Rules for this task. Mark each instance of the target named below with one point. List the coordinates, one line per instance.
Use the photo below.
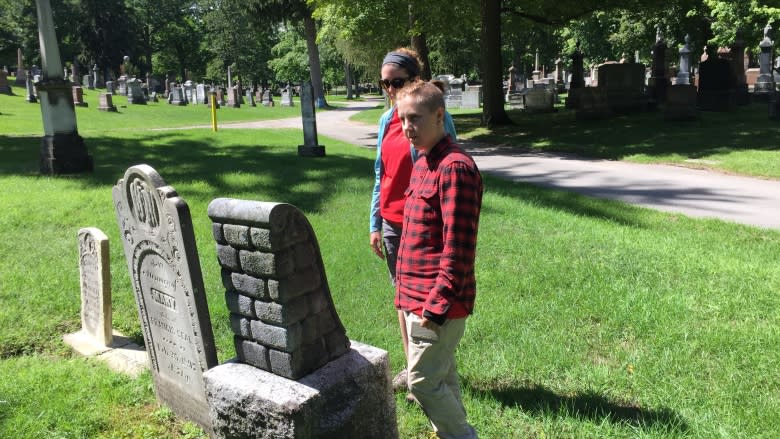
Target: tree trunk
(420, 45)
(493, 112)
(314, 61)
(348, 79)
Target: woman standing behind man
(393, 168)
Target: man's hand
(376, 244)
(428, 324)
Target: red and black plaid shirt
(435, 271)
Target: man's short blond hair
(423, 93)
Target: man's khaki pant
(433, 376)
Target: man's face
(423, 127)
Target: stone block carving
(281, 309)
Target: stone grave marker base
(311, 151)
(122, 355)
(349, 397)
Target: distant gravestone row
(296, 374)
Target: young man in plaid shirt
(435, 284)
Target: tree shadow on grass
(588, 405)
(646, 133)
(569, 202)
(182, 158)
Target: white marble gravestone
(95, 281)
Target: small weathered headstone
(189, 92)
(268, 99)
(472, 97)
(162, 260)
(135, 95)
(5, 88)
(681, 102)
(122, 85)
(106, 102)
(78, 96)
(30, 95)
(176, 96)
(310, 147)
(234, 100)
(95, 275)
(540, 100)
(287, 99)
(250, 98)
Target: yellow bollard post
(214, 112)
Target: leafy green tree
(234, 38)
(105, 33)
(151, 19)
(290, 62)
(299, 12)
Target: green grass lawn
(742, 142)
(594, 318)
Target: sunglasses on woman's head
(395, 82)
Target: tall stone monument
(765, 84)
(684, 74)
(577, 77)
(62, 148)
(658, 82)
(162, 260)
(310, 147)
(20, 70)
(296, 375)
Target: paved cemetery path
(696, 193)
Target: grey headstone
(106, 102)
(135, 94)
(162, 260)
(122, 81)
(287, 100)
(472, 97)
(95, 276)
(310, 147)
(540, 99)
(765, 84)
(234, 100)
(78, 96)
(31, 95)
(623, 86)
(250, 98)
(176, 96)
(5, 88)
(268, 99)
